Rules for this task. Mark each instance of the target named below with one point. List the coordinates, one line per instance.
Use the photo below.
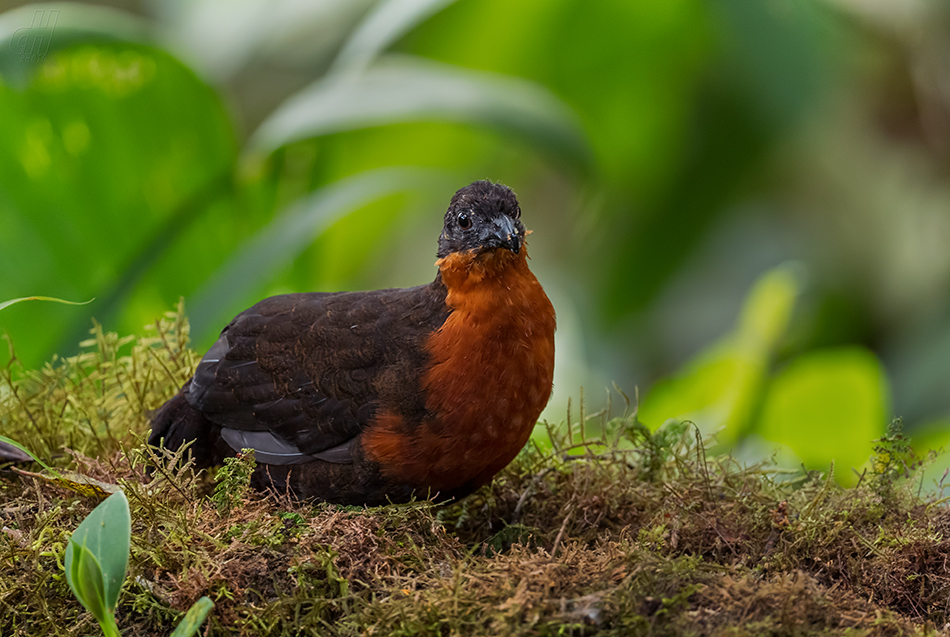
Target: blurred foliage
(719, 388)
(671, 156)
(826, 406)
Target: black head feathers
(482, 216)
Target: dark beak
(502, 233)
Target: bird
(377, 397)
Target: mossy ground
(627, 532)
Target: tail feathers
(176, 423)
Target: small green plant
(656, 447)
(97, 557)
(234, 478)
(96, 561)
(894, 459)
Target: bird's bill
(502, 233)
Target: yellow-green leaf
(83, 485)
(720, 388)
(828, 406)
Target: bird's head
(482, 218)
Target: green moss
(233, 481)
(606, 529)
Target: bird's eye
(465, 222)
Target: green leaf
(6, 304)
(386, 22)
(91, 199)
(84, 576)
(768, 309)
(826, 406)
(720, 389)
(276, 245)
(403, 89)
(83, 485)
(105, 534)
(193, 619)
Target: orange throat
(491, 373)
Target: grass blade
(17, 445)
(7, 304)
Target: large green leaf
(100, 169)
(828, 405)
(401, 89)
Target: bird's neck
(478, 281)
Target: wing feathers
(299, 376)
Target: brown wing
(311, 370)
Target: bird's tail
(176, 423)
